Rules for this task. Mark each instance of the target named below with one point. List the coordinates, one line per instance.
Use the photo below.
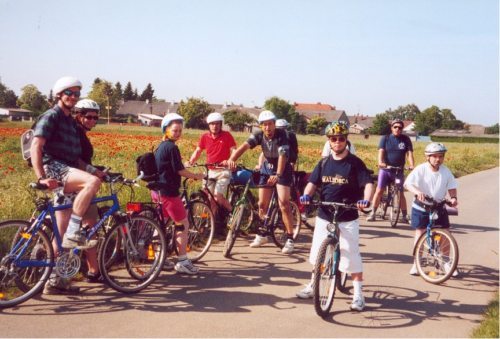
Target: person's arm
(411, 160)
(310, 189)
(37, 163)
(260, 162)
(410, 185)
(381, 156)
(196, 154)
(453, 197)
(188, 174)
(231, 162)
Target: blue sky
(361, 56)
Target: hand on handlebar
(382, 165)
(50, 183)
(305, 199)
(363, 204)
(229, 163)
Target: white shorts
(350, 257)
(223, 178)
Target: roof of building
(299, 107)
(151, 116)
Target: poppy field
(118, 147)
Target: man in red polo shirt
(219, 145)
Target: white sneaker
(358, 304)
(288, 248)
(371, 217)
(186, 266)
(259, 241)
(447, 267)
(413, 270)
(306, 293)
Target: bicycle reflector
(134, 207)
(330, 227)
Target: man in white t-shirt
(435, 180)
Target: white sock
(358, 286)
(74, 225)
(181, 258)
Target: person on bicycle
(342, 177)
(55, 155)
(393, 151)
(170, 169)
(219, 145)
(276, 170)
(435, 180)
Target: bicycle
(327, 277)
(273, 224)
(436, 251)
(200, 217)
(130, 256)
(392, 196)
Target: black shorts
(285, 178)
(420, 219)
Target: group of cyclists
(62, 153)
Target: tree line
(195, 110)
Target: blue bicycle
(130, 254)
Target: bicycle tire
(279, 233)
(249, 213)
(201, 229)
(384, 204)
(325, 277)
(342, 282)
(17, 285)
(433, 264)
(141, 254)
(233, 229)
(395, 207)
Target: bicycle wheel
(26, 261)
(394, 207)
(132, 254)
(279, 233)
(437, 257)
(248, 216)
(342, 282)
(201, 229)
(233, 229)
(325, 276)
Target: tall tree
(118, 91)
(449, 121)
(7, 97)
(428, 121)
(491, 129)
(32, 99)
(381, 124)
(128, 92)
(237, 119)
(284, 110)
(102, 93)
(408, 112)
(136, 96)
(316, 125)
(148, 93)
(194, 111)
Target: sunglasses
(397, 127)
(92, 117)
(340, 139)
(69, 93)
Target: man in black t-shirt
(342, 177)
(276, 170)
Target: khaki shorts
(223, 178)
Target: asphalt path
(253, 294)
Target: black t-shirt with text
(340, 181)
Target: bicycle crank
(68, 265)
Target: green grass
(489, 325)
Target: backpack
(26, 141)
(147, 164)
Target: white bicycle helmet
(87, 105)
(214, 117)
(435, 148)
(265, 116)
(65, 83)
(281, 123)
(168, 119)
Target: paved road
(253, 295)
